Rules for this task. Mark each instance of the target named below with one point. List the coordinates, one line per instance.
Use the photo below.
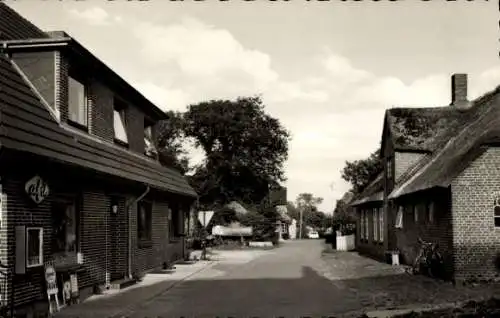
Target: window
(149, 147)
(284, 228)
(415, 213)
(77, 102)
(362, 224)
(375, 225)
(497, 211)
(176, 223)
(399, 218)
(389, 168)
(144, 223)
(120, 123)
(34, 246)
(381, 224)
(430, 212)
(367, 226)
(64, 228)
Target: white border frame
(40, 247)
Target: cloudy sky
(327, 70)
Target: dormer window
(149, 147)
(120, 123)
(77, 103)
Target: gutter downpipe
(127, 208)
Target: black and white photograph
(249, 158)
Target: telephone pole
(300, 223)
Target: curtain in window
(399, 218)
(375, 224)
(77, 103)
(119, 125)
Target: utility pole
(300, 222)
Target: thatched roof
(372, 193)
(420, 129)
(457, 148)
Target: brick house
(370, 226)
(81, 186)
(441, 170)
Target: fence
(345, 242)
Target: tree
(307, 203)
(170, 142)
(360, 173)
(292, 210)
(245, 149)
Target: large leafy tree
(360, 173)
(170, 140)
(245, 149)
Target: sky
(326, 69)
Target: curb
(127, 311)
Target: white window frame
(367, 225)
(375, 224)
(40, 263)
(399, 218)
(381, 224)
(85, 111)
(496, 211)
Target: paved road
(290, 281)
(295, 280)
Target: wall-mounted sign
(37, 189)
(50, 275)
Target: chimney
(459, 91)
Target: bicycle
(429, 261)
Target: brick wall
(135, 126)
(101, 110)
(162, 249)
(439, 230)
(369, 246)
(103, 236)
(61, 80)
(476, 240)
(100, 100)
(404, 160)
(39, 67)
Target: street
(297, 280)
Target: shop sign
(37, 189)
(50, 275)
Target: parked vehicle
(313, 235)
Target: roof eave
(72, 44)
(29, 44)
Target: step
(122, 283)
